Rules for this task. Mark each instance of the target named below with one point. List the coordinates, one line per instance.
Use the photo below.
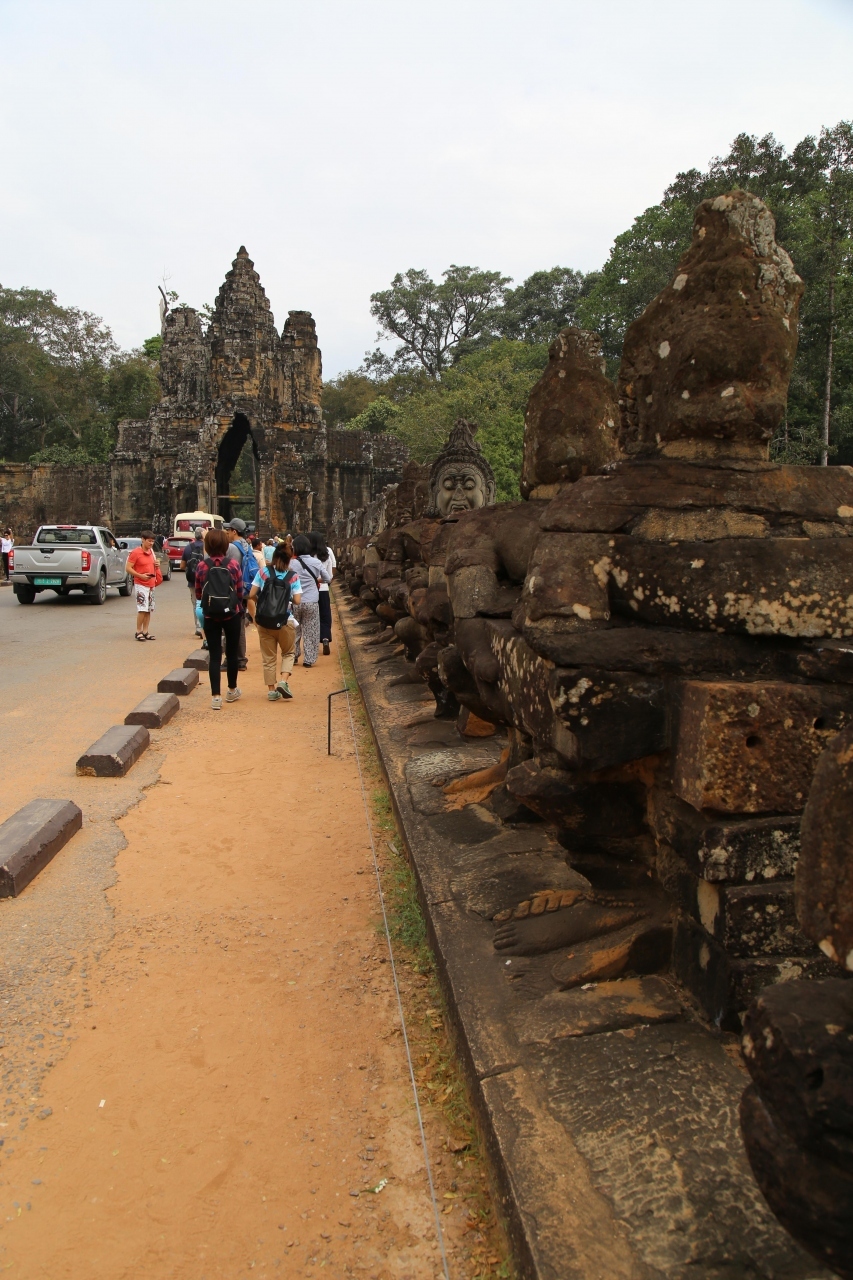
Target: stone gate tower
(241, 380)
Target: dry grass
(475, 1240)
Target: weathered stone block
(605, 718)
(154, 711)
(116, 752)
(825, 871)
(703, 966)
(801, 1059)
(31, 837)
(199, 659)
(736, 852)
(181, 681)
(811, 1196)
(756, 586)
(776, 497)
(747, 920)
(655, 650)
(749, 977)
(752, 748)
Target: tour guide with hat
(143, 564)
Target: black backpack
(218, 595)
(192, 564)
(273, 607)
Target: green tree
(435, 324)
(539, 308)
(347, 395)
(490, 386)
(63, 380)
(809, 192)
(380, 415)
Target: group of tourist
(281, 586)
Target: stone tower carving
(243, 385)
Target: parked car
(162, 551)
(66, 558)
(176, 549)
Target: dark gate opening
(237, 472)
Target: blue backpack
(249, 567)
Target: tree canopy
(810, 192)
(473, 345)
(64, 383)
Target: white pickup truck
(69, 557)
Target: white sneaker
(216, 703)
(233, 695)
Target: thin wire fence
(435, 1208)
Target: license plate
(47, 582)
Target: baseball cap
(238, 525)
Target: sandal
(150, 637)
(140, 636)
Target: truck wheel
(99, 593)
(26, 595)
(127, 586)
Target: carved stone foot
(642, 947)
(553, 926)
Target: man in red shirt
(142, 563)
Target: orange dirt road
(237, 1071)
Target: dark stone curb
(199, 659)
(181, 681)
(31, 837)
(116, 752)
(154, 711)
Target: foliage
(490, 387)
(153, 346)
(63, 455)
(346, 396)
(435, 323)
(63, 380)
(810, 192)
(540, 307)
(381, 414)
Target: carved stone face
(460, 488)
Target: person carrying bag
(219, 589)
(275, 593)
(311, 574)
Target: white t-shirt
(330, 564)
(6, 545)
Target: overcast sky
(344, 140)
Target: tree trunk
(827, 396)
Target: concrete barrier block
(154, 711)
(182, 680)
(31, 837)
(199, 658)
(113, 754)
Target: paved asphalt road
(68, 671)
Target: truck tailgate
(50, 560)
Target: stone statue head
(460, 478)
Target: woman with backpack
(275, 593)
(219, 587)
(311, 574)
